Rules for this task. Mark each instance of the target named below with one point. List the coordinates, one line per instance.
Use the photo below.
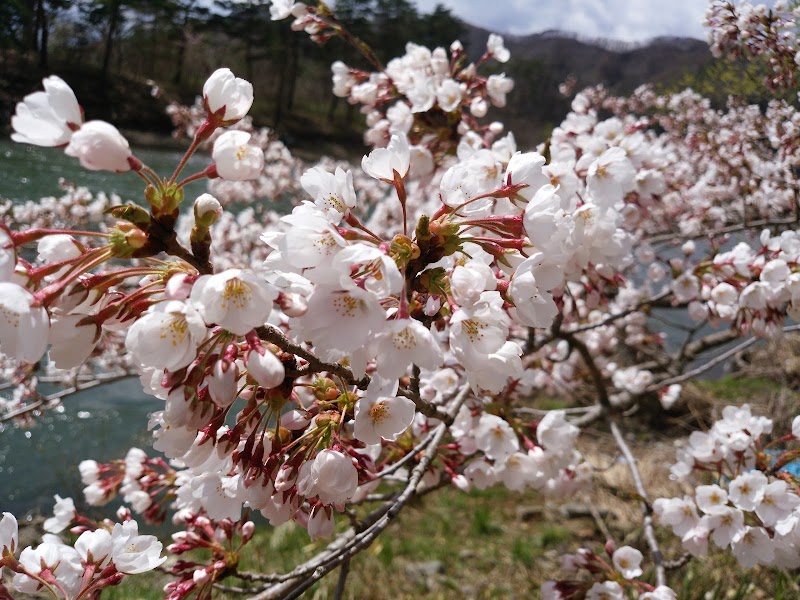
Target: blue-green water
(31, 172)
(101, 423)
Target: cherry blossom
(24, 326)
(100, 147)
(227, 94)
(235, 159)
(382, 418)
(9, 534)
(47, 118)
(234, 299)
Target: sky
(625, 20)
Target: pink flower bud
(99, 146)
(248, 529)
(265, 368)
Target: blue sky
(627, 20)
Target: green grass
(739, 389)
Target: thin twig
(55, 398)
(713, 362)
(594, 371)
(647, 509)
(761, 224)
(598, 520)
(344, 570)
(273, 335)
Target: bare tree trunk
(113, 22)
(183, 41)
(44, 32)
(30, 29)
(294, 59)
(334, 102)
(281, 87)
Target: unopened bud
(293, 305)
(200, 576)
(285, 436)
(126, 239)
(207, 210)
(248, 529)
(202, 522)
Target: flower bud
(207, 210)
(125, 239)
(99, 146)
(58, 248)
(478, 107)
(293, 305)
(265, 368)
(247, 530)
(200, 576)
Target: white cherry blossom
(333, 193)
(236, 300)
(166, 336)
(555, 433)
(9, 533)
(627, 561)
(382, 417)
(133, 553)
(47, 118)
(331, 476)
(64, 513)
(403, 342)
(225, 92)
(99, 146)
(497, 49)
(235, 158)
(24, 326)
(383, 163)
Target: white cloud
(627, 20)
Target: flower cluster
(748, 503)
(393, 323)
(100, 558)
(748, 31)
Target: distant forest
(113, 51)
(108, 49)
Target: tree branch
(647, 509)
(55, 398)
